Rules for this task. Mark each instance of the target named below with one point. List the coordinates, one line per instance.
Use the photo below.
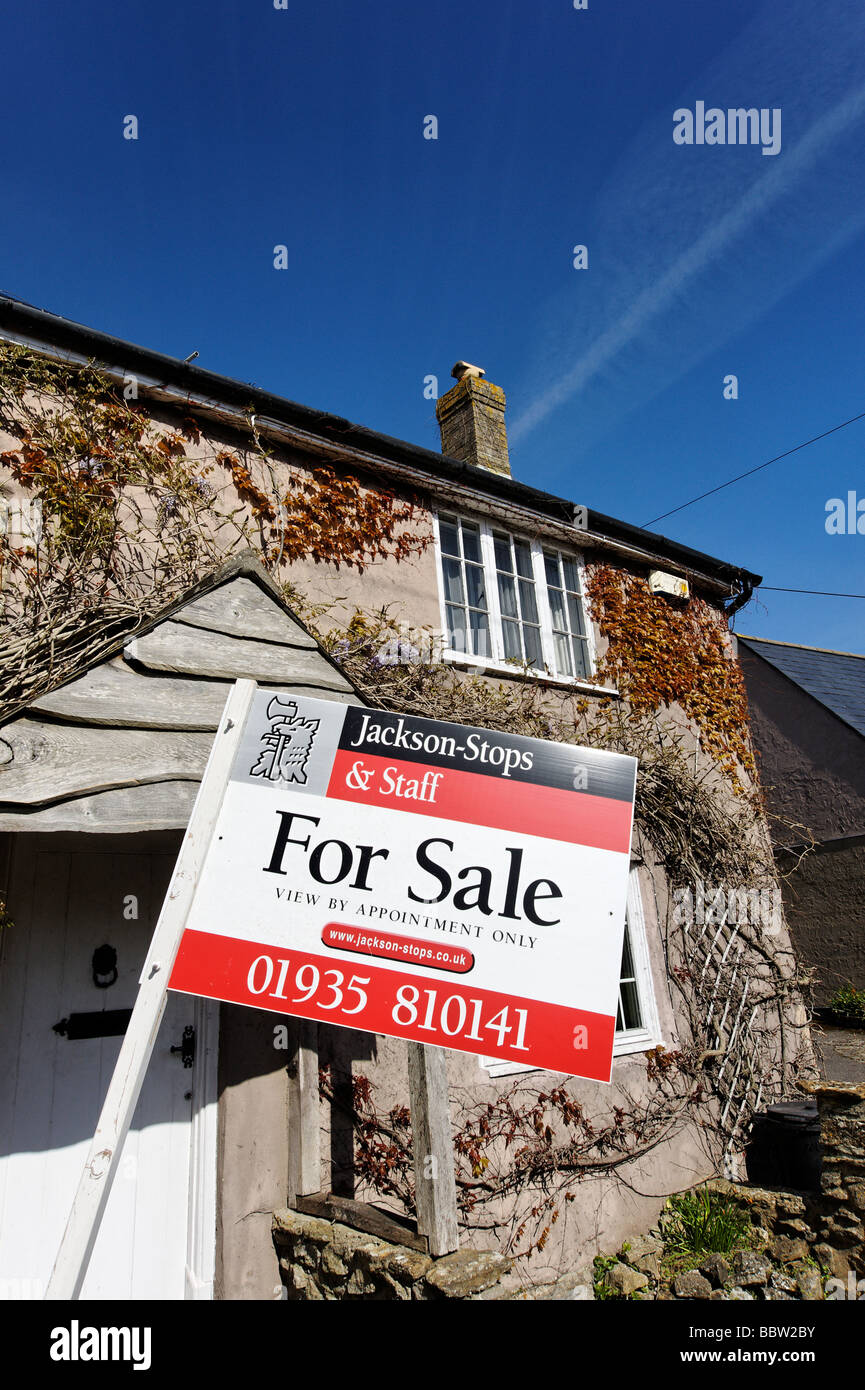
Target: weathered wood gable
(123, 746)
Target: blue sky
(304, 127)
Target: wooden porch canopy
(122, 747)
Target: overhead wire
(750, 471)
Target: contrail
(773, 185)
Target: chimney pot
(464, 369)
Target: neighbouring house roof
(836, 679)
(170, 378)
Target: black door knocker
(104, 967)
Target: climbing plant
(134, 512)
(662, 653)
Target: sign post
(432, 1144)
(100, 1166)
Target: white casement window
(506, 599)
(637, 1027)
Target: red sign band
(446, 1013)
(573, 816)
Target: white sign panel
(424, 880)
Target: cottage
(477, 599)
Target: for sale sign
(424, 880)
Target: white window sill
(637, 1040)
(507, 668)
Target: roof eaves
(41, 328)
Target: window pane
(513, 647)
(627, 970)
(571, 579)
(581, 659)
(557, 608)
(551, 565)
(475, 586)
(471, 543)
(630, 1005)
(575, 616)
(508, 597)
(503, 552)
(629, 1001)
(524, 559)
(456, 626)
(564, 665)
(449, 538)
(480, 634)
(527, 601)
(452, 581)
(534, 656)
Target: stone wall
(801, 1245)
(325, 1260)
(839, 1211)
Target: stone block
(466, 1272)
(624, 1281)
(288, 1223)
(332, 1263)
(839, 1232)
(301, 1287)
(810, 1284)
(832, 1260)
(406, 1266)
(692, 1284)
(359, 1285)
(351, 1245)
(789, 1204)
(750, 1268)
(856, 1197)
(639, 1248)
(786, 1249)
(795, 1227)
(308, 1254)
(716, 1269)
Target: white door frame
(201, 1210)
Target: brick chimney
(472, 420)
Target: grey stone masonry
(326, 1261)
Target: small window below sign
(637, 1027)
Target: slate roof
(836, 679)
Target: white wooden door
(67, 897)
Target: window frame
(497, 661)
(629, 1040)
